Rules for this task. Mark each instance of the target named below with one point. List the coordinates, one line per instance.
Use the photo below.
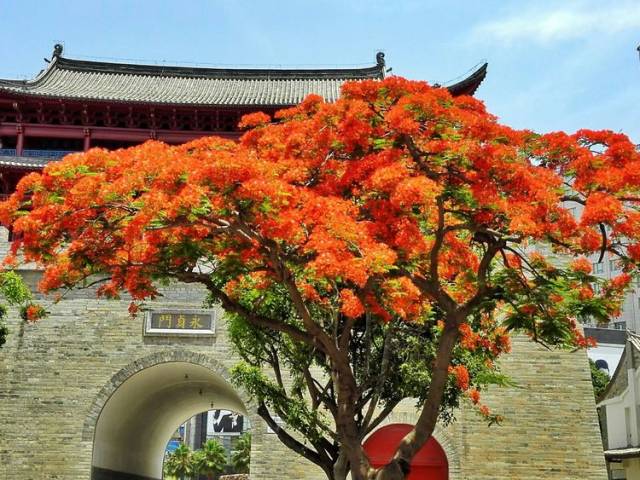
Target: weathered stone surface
(56, 375)
(551, 427)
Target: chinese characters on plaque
(170, 322)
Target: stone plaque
(180, 322)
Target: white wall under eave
(616, 425)
(617, 428)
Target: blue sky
(553, 65)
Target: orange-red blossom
(398, 200)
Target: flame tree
(397, 208)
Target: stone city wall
(55, 373)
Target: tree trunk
(399, 467)
(341, 467)
(394, 470)
(351, 446)
(346, 427)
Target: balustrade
(12, 152)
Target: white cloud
(561, 24)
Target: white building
(608, 268)
(629, 318)
(619, 410)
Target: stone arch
(447, 442)
(140, 364)
(151, 371)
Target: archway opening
(230, 433)
(429, 463)
(142, 414)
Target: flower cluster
(32, 312)
(461, 375)
(398, 203)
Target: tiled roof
(470, 84)
(71, 79)
(85, 80)
(606, 335)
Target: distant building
(610, 345)
(629, 318)
(607, 268)
(225, 426)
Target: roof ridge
(374, 71)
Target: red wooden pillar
(20, 140)
(87, 139)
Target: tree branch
(234, 307)
(320, 459)
(382, 376)
(423, 429)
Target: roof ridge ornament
(380, 59)
(57, 50)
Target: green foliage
(180, 462)
(241, 456)
(549, 297)
(211, 459)
(292, 407)
(599, 379)
(13, 288)
(15, 292)
(391, 361)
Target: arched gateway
(143, 404)
(89, 390)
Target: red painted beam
(182, 137)
(110, 133)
